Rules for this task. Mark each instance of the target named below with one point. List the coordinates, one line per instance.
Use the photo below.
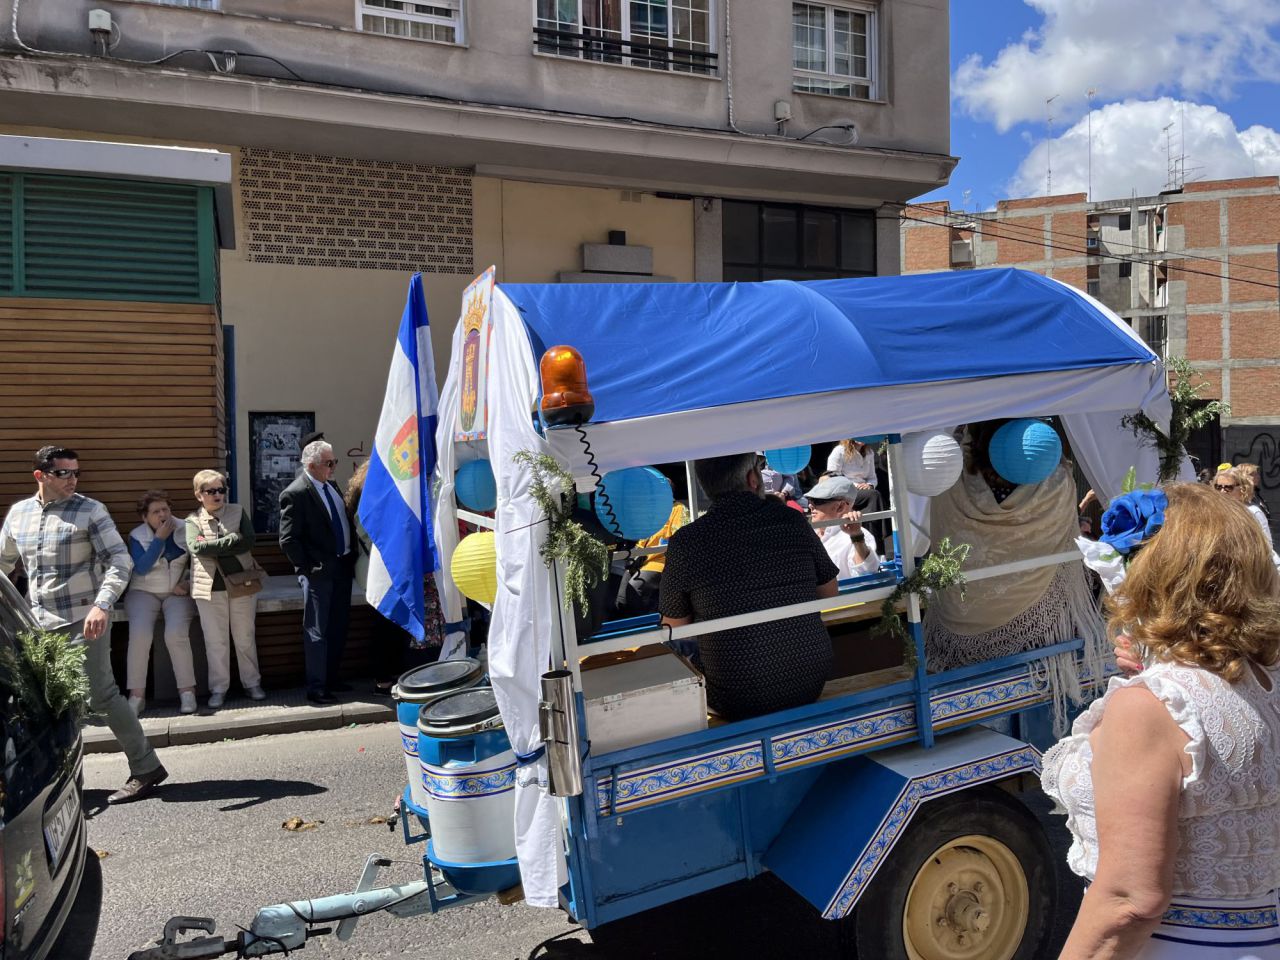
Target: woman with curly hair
(1171, 781)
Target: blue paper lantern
(634, 503)
(1025, 451)
(475, 486)
(788, 459)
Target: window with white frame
(439, 20)
(656, 34)
(834, 50)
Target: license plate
(60, 824)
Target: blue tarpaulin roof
(654, 349)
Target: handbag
(245, 583)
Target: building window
(833, 50)
(1093, 288)
(439, 20)
(671, 35)
(774, 241)
(1126, 269)
(1125, 222)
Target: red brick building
(1194, 271)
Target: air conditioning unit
(961, 252)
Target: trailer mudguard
(843, 830)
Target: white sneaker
(216, 698)
(137, 705)
(188, 701)
(255, 693)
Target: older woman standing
(1171, 781)
(160, 582)
(1237, 484)
(219, 537)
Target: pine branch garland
(941, 570)
(52, 674)
(586, 559)
(1190, 413)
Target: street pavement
(210, 843)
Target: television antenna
(1048, 146)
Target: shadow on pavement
(81, 929)
(246, 793)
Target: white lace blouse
(1229, 814)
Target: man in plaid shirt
(77, 566)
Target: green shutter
(8, 242)
(115, 240)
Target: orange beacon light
(565, 398)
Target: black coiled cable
(602, 496)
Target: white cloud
(1123, 48)
(1131, 154)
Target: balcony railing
(612, 49)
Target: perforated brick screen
(313, 211)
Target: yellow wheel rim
(968, 901)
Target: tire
(971, 879)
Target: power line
(1038, 232)
(1105, 256)
(1036, 237)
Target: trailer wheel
(972, 879)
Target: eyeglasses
(215, 491)
(1224, 487)
(62, 473)
(329, 463)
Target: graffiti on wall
(1260, 444)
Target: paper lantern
(474, 566)
(639, 502)
(788, 459)
(1025, 451)
(475, 486)
(933, 462)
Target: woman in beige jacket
(220, 537)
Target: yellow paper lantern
(474, 567)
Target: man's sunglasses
(215, 491)
(329, 463)
(62, 473)
(1224, 487)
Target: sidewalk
(284, 711)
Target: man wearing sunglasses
(77, 566)
(316, 536)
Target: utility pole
(1048, 146)
(1088, 194)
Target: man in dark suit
(316, 536)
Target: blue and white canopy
(681, 371)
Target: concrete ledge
(283, 712)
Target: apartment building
(1193, 271)
(693, 139)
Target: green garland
(586, 559)
(938, 571)
(52, 672)
(1190, 413)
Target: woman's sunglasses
(1224, 487)
(215, 491)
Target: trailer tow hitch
(286, 927)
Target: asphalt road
(210, 843)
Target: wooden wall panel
(135, 388)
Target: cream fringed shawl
(1018, 611)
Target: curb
(215, 728)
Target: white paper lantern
(933, 462)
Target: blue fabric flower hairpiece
(1132, 519)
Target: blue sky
(1217, 84)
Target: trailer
(891, 804)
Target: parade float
(584, 773)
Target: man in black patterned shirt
(749, 553)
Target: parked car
(42, 825)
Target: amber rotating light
(565, 398)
